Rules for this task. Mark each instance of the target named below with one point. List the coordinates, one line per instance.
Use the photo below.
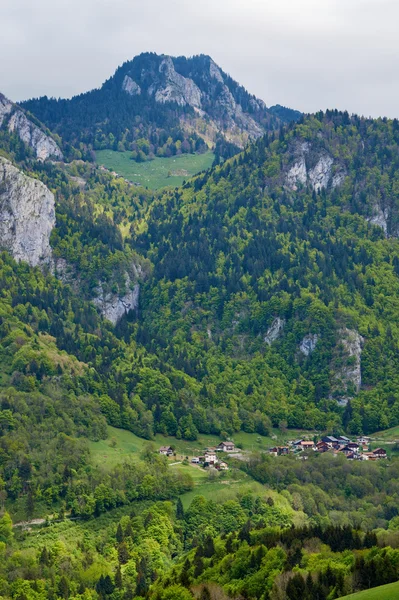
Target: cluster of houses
(338, 445)
(210, 458)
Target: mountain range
(259, 296)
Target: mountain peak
(189, 100)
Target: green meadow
(157, 173)
(383, 592)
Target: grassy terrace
(157, 173)
(121, 444)
(384, 592)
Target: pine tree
(123, 553)
(179, 510)
(118, 578)
(119, 534)
(63, 587)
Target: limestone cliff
(314, 167)
(114, 306)
(17, 122)
(27, 215)
(346, 365)
(274, 331)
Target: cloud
(306, 54)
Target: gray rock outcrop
(176, 88)
(353, 343)
(313, 167)
(380, 218)
(274, 331)
(114, 306)
(309, 343)
(130, 86)
(27, 215)
(43, 145)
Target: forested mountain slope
(264, 292)
(156, 105)
(275, 279)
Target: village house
(363, 440)
(322, 447)
(279, 451)
(368, 456)
(306, 445)
(296, 444)
(226, 447)
(166, 450)
(380, 453)
(330, 440)
(210, 458)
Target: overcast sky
(306, 54)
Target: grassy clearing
(387, 435)
(157, 173)
(384, 592)
(122, 445)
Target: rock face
(380, 218)
(43, 145)
(197, 83)
(352, 342)
(27, 215)
(176, 88)
(130, 86)
(313, 167)
(274, 331)
(5, 108)
(309, 343)
(113, 306)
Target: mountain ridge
(191, 100)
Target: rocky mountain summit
(155, 97)
(27, 215)
(200, 84)
(16, 121)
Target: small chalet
(306, 445)
(363, 440)
(279, 451)
(353, 446)
(380, 453)
(210, 458)
(368, 456)
(297, 443)
(322, 447)
(166, 450)
(330, 440)
(226, 447)
(342, 439)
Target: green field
(384, 592)
(387, 435)
(156, 173)
(121, 444)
